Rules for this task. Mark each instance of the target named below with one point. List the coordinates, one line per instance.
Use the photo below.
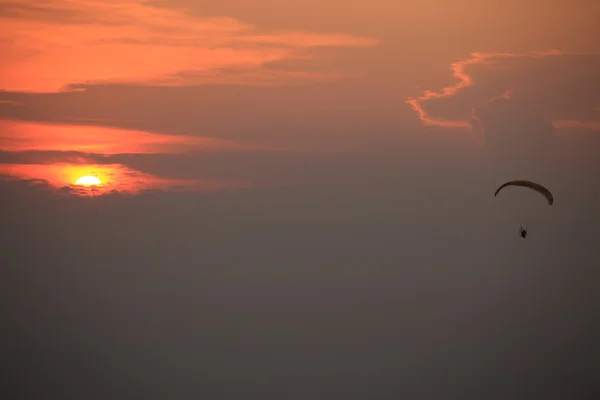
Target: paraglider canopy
(532, 185)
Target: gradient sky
(297, 199)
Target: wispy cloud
(464, 80)
(50, 45)
(566, 123)
(517, 104)
(27, 136)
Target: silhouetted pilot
(523, 232)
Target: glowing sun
(88, 181)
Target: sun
(88, 181)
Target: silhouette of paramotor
(531, 185)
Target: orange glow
(113, 177)
(24, 136)
(79, 175)
(134, 42)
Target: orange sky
(296, 199)
(133, 42)
(159, 78)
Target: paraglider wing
(532, 185)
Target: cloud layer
(563, 86)
(54, 45)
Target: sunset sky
(294, 199)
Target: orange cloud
(25, 136)
(49, 46)
(565, 123)
(464, 80)
(301, 39)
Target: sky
(296, 199)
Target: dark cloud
(519, 105)
(382, 164)
(273, 167)
(562, 86)
(565, 86)
(287, 116)
(514, 129)
(51, 157)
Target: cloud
(364, 169)
(61, 153)
(53, 45)
(26, 136)
(113, 178)
(237, 135)
(513, 129)
(520, 106)
(562, 85)
(301, 39)
(320, 117)
(236, 169)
